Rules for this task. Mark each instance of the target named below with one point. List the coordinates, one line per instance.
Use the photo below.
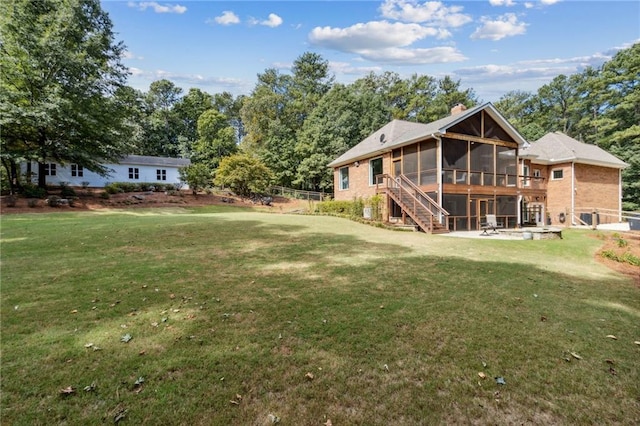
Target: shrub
(66, 191)
(30, 190)
(105, 195)
(335, 207)
(11, 200)
(32, 202)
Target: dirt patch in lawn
(92, 200)
(621, 252)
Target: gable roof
(145, 160)
(556, 147)
(399, 133)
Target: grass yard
(232, 317)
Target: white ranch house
(132, 168)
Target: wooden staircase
(422, 209)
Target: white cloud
(428, 12)
(273, 21)
(227, 18)
(190, 79)
(549, 2)
(505, 26)
(157, 7)
(370, 35)
(401, 56)
(346, 68)
(502, 2)
(130, 55)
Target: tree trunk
(42, 178)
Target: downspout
(573, 192)
(619, 195)
(438, 171)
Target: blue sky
(492, 46)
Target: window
(525, 173)
(344, 178)
(161, 174)
(536, 173)
(557, 174)
(134, 173)
(375, 169)
(49, 169)
(77, 171)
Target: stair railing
(405, 186)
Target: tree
(60, 71)
(162, 125)
(244, 175)
(341, 120)
(216, 139)
(197, 176)
(187, 111)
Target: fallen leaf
(609, 361)
(500, 381)
(637, 342)
(172, 296)
(88, 345)
(612, 371)
(75, 311)
(543, 318)
(328, 423)
(139, 381)
(142, 352)
(482, 375)
(67, 391)
(126, 338)
(90, 388)
(309, 376)
(611, 336)
(234, 402)
(575, 355)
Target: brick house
(579, 179)
(449, 174)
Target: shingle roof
(155, 161)
(398, 133)
(556, 147)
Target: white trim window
(526, 175)
(343, 177)
(161, 174)
(50, 169)
(134, 173)
(537, 173)
(375, 169)
(77, 170)
(557, 174)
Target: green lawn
(239, 317)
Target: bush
(105, 195)
(32, 202)
(30, 190)
(336, 207)
(66, 191)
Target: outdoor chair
(491, 224)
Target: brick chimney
(458, 108)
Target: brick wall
(358, 180)
(558, 192)
(597, 187)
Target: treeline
(64, 98)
